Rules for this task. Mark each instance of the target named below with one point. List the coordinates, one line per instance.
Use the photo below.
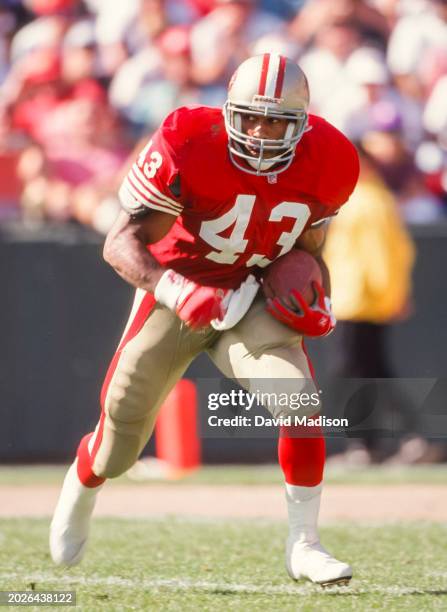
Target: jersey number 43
(228, 250)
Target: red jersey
(231, 223)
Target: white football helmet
(273, 86)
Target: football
(296, 269)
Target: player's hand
(315, 320)
(236, 304)
(195, 304)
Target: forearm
(325, 275)
(125, 248)
(129, 257)
(312, 241)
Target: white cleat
(305, 556)
(71, 520)
(312, 561)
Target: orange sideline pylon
(177, 442)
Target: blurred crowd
(82, 81)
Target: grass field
(218, 565)
(249, 475)
(179, 564)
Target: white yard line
(186, 584)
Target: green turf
(249, 475)
(178, 565)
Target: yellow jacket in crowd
(370, 255)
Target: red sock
(302, 458)
(85, 472)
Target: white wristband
(172, 288)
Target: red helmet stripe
(264, 72)
(280, 77)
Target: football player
(212, 199)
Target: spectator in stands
(135, 24)
(435, 113)
(319, 14)
(325, 62)
(73, 178)
(368, 97)
(370, 256)
(415, 36)
(386, 146)
(221, 40)
(34, 90)
(79, 53)
(56, 52)
(46, 32)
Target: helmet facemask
(239, 140)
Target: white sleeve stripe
(144, 181)
(128, 201)
(161, 209)
(148, 201)
(136, 184)
(145, 199)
